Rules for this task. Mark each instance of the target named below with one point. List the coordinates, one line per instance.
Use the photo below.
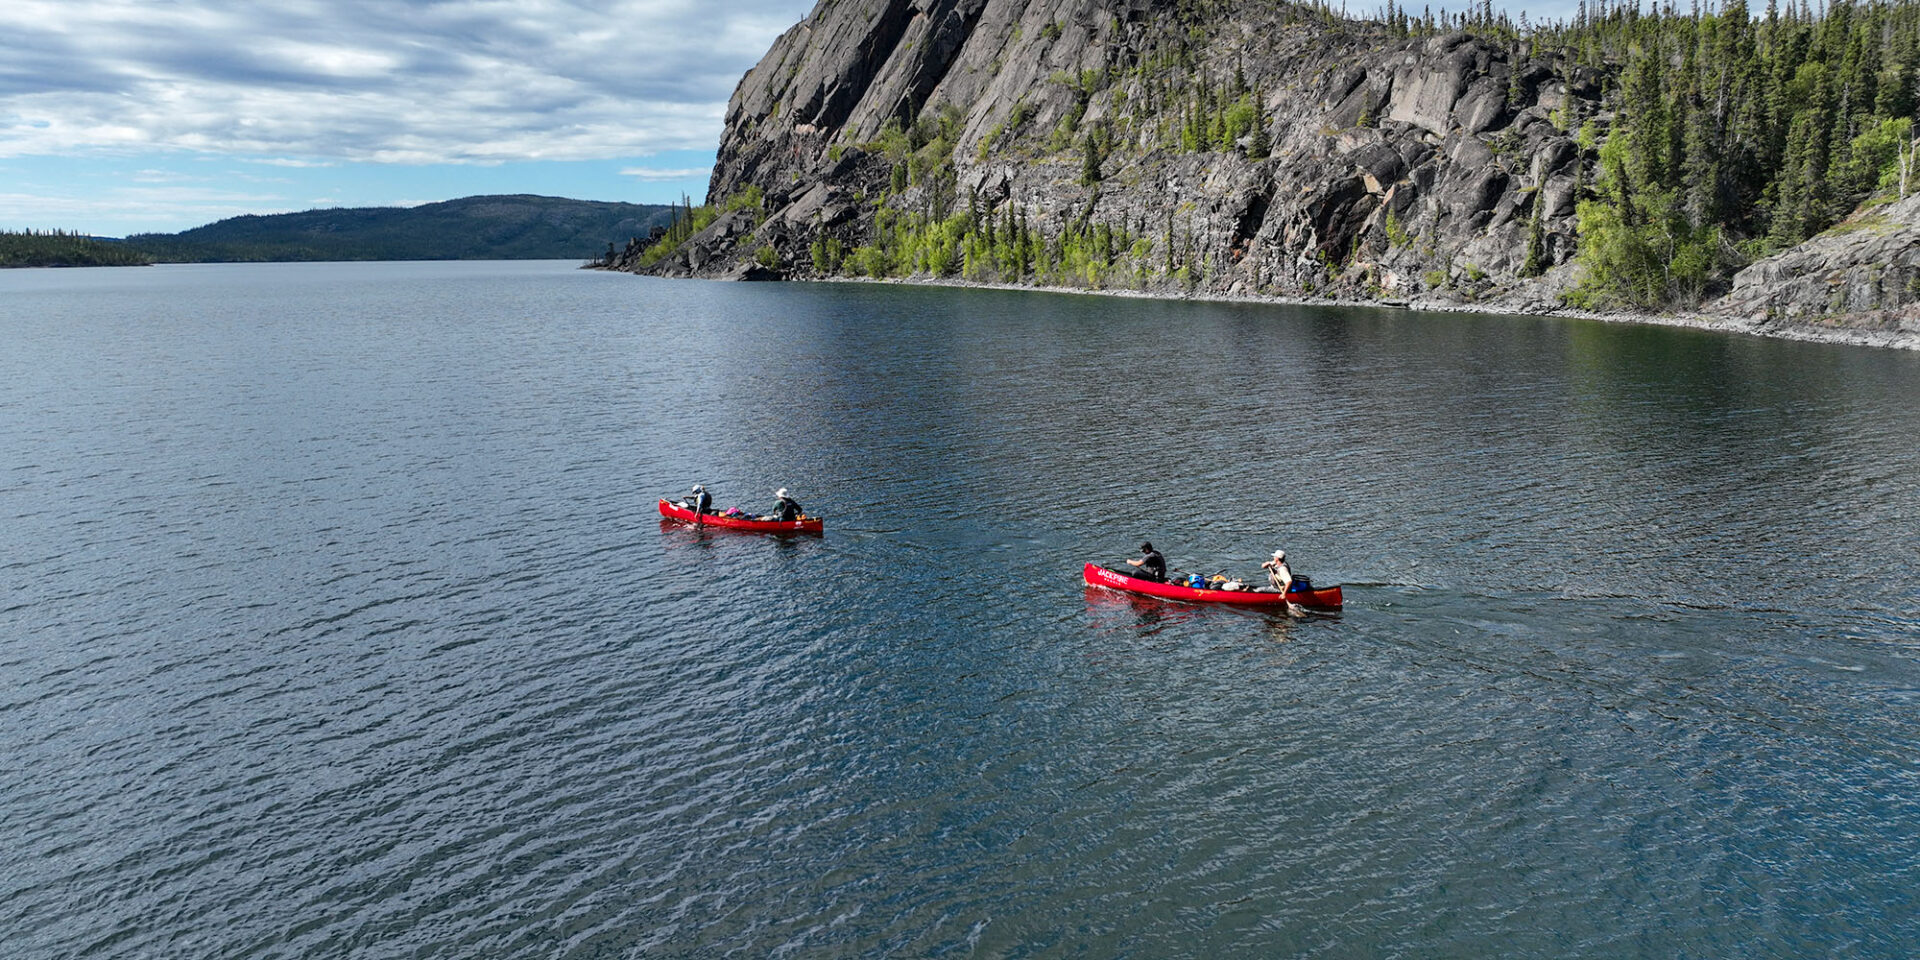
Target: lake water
(337, 619)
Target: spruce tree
(1536, 261)
(1259, 144)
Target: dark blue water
(337, 620)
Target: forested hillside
(474, 228)
(58, 248)
(1733, 136)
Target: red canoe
(674, 511)
(1326, 598)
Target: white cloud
(653, 173)
(164, 176)
(138, 208)
(461, 81)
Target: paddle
(683, 502)
(1293, 609)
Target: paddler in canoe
(1151, 565)
(1278, 573)
(1297, 586)
(700, 501)
(786, 509)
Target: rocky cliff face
(1441, 170)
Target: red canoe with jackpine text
(1325, 598)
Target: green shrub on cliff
(1637, 243)
(687, 221)
(994, 247)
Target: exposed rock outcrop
(1865, 272)
(1438, 170)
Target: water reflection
(1109, 610)
(1118, 610)
(676, 535)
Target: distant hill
(518, 227)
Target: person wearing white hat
(1277, 572)
(786, 508)
(702, 500)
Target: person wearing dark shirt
(786, 509)
(702, 501)
(1151, 566)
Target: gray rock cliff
(1439, 170)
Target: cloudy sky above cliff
(120, 116)
(127, 116)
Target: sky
(155, 116)
(137, 116)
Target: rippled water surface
(337, 620)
